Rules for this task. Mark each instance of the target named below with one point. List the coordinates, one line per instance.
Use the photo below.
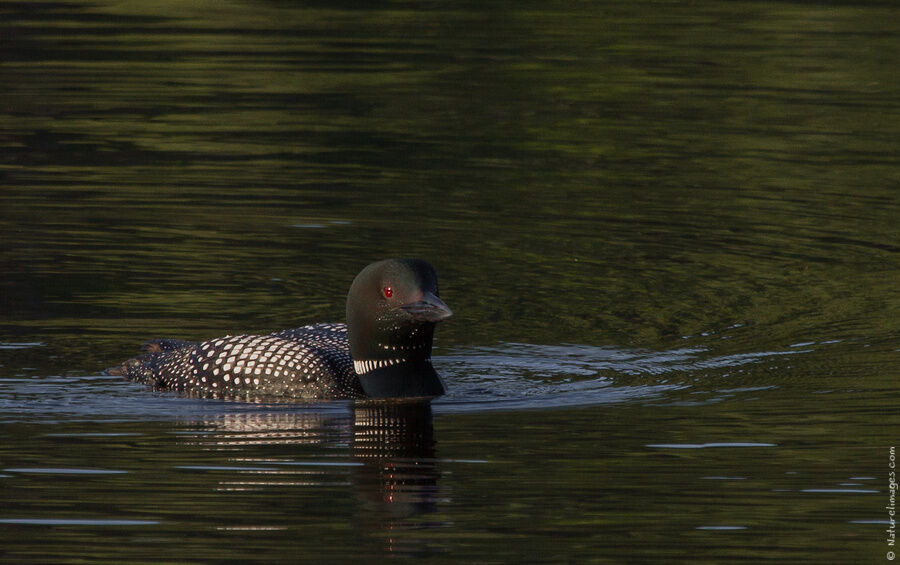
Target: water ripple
(75, 522)
(705, 445)
(64, 471)
(23, 345)
(518, 375)
(508, 376)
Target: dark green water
(670, 233)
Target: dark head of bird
(392, 309)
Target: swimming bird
(383, 351)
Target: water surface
(669, 234)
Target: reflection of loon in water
(395, 441)
(392, 463)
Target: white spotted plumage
(313, 361)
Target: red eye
(388, 292)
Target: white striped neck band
(363, 367)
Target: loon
(383, 351)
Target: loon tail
(135, 368)
(164, 344)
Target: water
(669, 234)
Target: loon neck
(398, 368)
(398, 377)
(378, 349)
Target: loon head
(392, 309)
